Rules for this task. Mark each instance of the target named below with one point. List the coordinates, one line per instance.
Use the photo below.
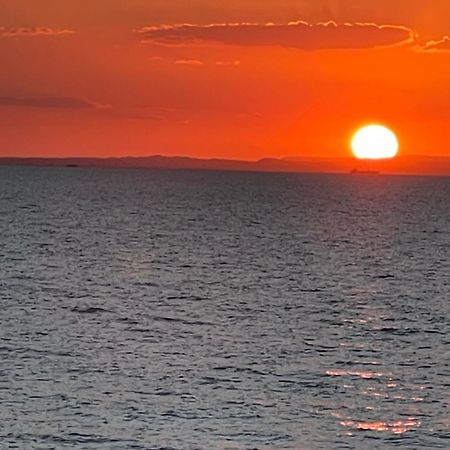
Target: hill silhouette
(407, 165)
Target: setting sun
(375, 142)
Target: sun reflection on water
(355, 373)
(396, 427)
(373, 388)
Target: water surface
(196, 310)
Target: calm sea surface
(195, 310)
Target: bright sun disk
(375, 142)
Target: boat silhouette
(364, 172)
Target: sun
(375, 142)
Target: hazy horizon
(401, 165)
(239, 80)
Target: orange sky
(114, 77)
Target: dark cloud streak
(14, 32)
(300, 35)
(50, 102)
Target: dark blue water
(195, 310)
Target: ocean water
(201, 310)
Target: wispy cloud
(51, 102)
(228, 63)
(33, 31)
(300, 35)
(442, 45)
(189, 62)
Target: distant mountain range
(407, 165)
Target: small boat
(364, 172)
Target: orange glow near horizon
(242, 80)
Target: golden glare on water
(375, 142)
(397, 427)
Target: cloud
(300, 35)
(51, 102)
(150, 113)
(33, 31)
(228, 63)
(443, 45)
(189, 62)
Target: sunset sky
(241, 79)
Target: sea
(151, 310)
